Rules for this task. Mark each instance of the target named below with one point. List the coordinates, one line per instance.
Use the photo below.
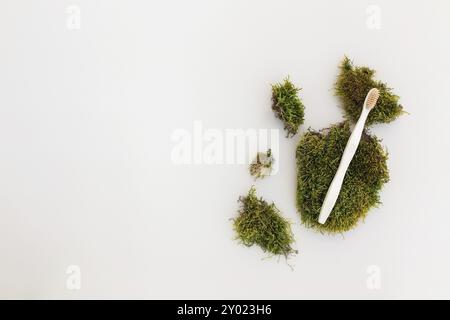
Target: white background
(86, 118)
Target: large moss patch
(318, 156)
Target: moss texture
(261, 223)
(262, 165)
(352, 86)
(318, 156)
(287, 106)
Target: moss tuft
(261, 223)
(352, 86)
(318, 156)
(287, 106)
(262, 165)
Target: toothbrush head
(372, 98)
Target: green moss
(262, 165)
(318, 156)
(352, 86)
(261, 223)
(287, 106)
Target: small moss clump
(287, 106)
(262, 165)
(352, 86)
(318, 156)
(261, 223)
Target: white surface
(86, 176)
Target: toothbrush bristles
(372, 98)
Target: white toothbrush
(349, 152)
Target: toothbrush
(349, 152)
